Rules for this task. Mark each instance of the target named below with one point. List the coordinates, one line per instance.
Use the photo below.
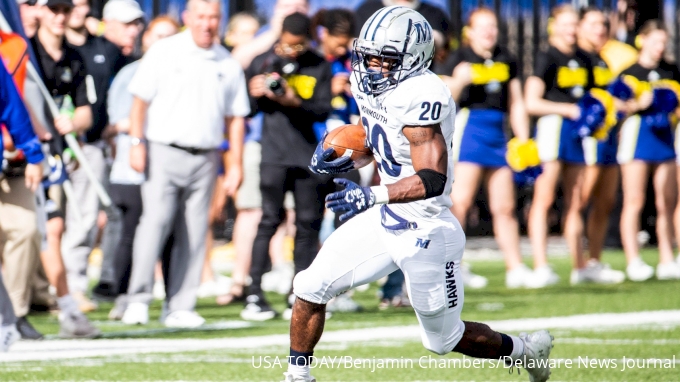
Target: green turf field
(626, 353)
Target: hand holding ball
(349, 140)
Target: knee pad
(428, 298)
(424, 310)
(310, 287)
(436, 347)
(444, 342)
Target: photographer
(291, 86)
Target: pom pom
(665, 101)
(521, 155)
(620, 89)
(528, 176)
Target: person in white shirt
(186, 90)
(125, 184)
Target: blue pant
(393, 286)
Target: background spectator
(13, 49)
(185, 127)
(28, 10)
(125, 183)
(102, 61)
(271, 32)
(290, 85)
(248, 200)
(624, 21)
(19, 236)
(123, 23)
(480, 140)
(443, 57)
(435, 16)
(17, 217)
(64, 76)
(555, 102)
(646, 151)
(62, 67)
(601, 180)
(334, 32)
(241, 30)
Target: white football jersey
(419, 100)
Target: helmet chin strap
(373, 82)
(374, 75)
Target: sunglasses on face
(290, 49)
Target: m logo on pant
(422, 243)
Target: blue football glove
(354, 199)
(321, 165)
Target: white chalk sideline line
(69, 349)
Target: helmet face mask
(401, 39)
(387, 75)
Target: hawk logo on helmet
(423, 33)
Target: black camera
(278, 68)
(273, 82)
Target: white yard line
(71, 349)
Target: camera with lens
(273, 81)
(278, 68)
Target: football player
(408, 115)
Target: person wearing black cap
(291, 86)
(63, 70)
(63, 73)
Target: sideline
(71, 349)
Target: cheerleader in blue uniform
(646, 147)
(486, 86)
(562, 76)
(602, 172)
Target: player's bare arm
(429, 156)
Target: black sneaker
(105, 292)
(257, 309)
(27, 330)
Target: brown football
(349, 140)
